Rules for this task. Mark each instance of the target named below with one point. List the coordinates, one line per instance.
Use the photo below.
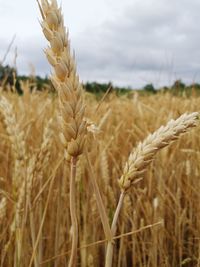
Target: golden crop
(87, 183)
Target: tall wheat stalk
(72, 108)
(142, 156)
(17, 140)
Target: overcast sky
(129, 42)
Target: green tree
(149, 88)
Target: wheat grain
(17, 139)
(65, 80)
(142, 156)
(3, 206)
(144, 153)
(72, 107)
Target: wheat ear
(65, 80)
(72, 108)
(3, 207)
(142, 156)
(17, 140)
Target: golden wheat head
(144, 153)
(64, 79)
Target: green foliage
(178, 88)
(9, 76)
(149, 88)
(97, 88)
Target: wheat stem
(71, 102)
(142, 156)
(100, 205)
(110, 246)
(73, 256)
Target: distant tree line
(9, 77)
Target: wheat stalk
(144, 153)
(142, 156)
(64, 79)
(72, 108)
(35, 166)
(17, 140)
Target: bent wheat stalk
(142, 156)
(72, 108)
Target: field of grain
(34, 198)
(113, 182)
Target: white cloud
(129, 42)
(152, 40)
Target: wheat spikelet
(106, 187)
(45, 149)
(105, 168)
(144, 153)
(12, 128)
(64, 79)
(24, 191)
(3, 206)
(17, 139)
(36, 164)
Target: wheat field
(33, 169)
(96, 183)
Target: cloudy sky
(129, 42)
